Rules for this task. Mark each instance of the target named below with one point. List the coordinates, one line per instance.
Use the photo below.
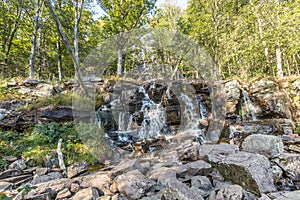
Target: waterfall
(154, 117)
(202, 107)
(189, 112)
(250, 108)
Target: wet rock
(10, 173)
(77, 169)
(133, 184)
(65, 193)
(126, 166)
(45, 178)
(91, 193)
(190, 169)
(231, 192)
(273, 102)
(268, 145)
(18, 164)
(252, 171)
(5, 186)
(179, 191)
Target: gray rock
(43, 90)
(5, 186)
(203, 184)
(133, 184)
(126, 166)
(77, 169)
(90, 193)
(177, 190)
(231, 192)
(163, 175)
(100, 180)
(290, 163)
(217, 149)
(65, 193)
(268, 145)
(285, 195)
(252, 171)
(18, 164)
(9, 158)
(199, 167)
(41, 171)
(45, 178)
(52, 187)
(10, 173)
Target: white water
(250, 108)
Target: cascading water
(154, 117)
(250, 108)
(202, 107)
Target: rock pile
(184, 170)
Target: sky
(180, 3)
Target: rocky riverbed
(256, 156)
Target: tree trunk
(67, 43)
(34, 37)
(266, 51)
(120, 70)
(59, 60)
(279, 61)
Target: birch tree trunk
(279, 61)
(119, 69)
(74, 54)
(59, 60)
(34, 38)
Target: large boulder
(251, 171)
(268, 145)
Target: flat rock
(126, 166)
(45, 178)
(5, 186)
(195, 168)
(10, 158)
(251, 171)
(179, 191)
(217, 149)
(286, 195)
(77, 169)
(65, 193)
(268, 145)
(90, 193)
(10, 173)
(163, 175)
(133, 184)
(100, 180)
(41, 171)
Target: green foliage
(4, 197)
(42, 140)
(26, 189)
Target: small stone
(75, 187)
(228, 193)
(18, 164)
(77, 169)
(65, 193)
(267, 145)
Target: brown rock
(77, 169)
(90, 193)
(65, 193)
